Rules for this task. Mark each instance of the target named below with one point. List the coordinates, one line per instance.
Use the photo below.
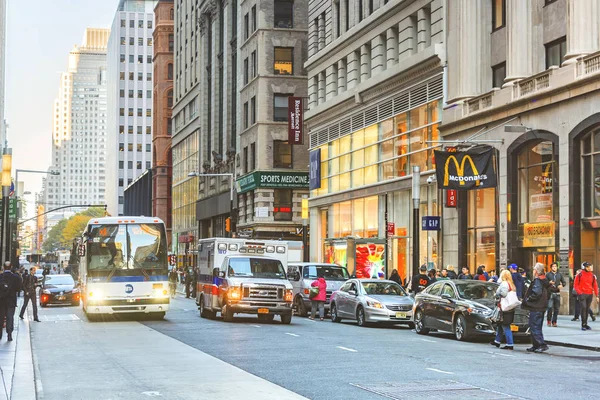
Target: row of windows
(139, 147)
(140, 77)
(140, 41)
(140, 94)
(140, 112)
(130, 166)
(130, 130)
(140, 58)
(140, 23)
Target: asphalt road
(318, 360)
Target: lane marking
(501, 354)
(440, 371)
(256, 326)
(292, 334)
(185, 309)
(429, 341)
(347, 349)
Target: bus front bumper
(125, 306)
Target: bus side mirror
(81, 250)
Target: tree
(53, 241)
(62, 235)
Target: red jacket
(586, 283)
(322, 285)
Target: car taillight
(306, 291)
(44, 298)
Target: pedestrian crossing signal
(228, 225)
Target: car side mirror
(216, 272)
(352, 292)
(446, 296)
(221, 274)
(297, 276)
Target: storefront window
(382, 151)
(590, 165)
(536, 164)
(481, 228)
(358, 218)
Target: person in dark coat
(395, 276)
(9, 284)
(451, 272)
(536, 301)
(465, 274)
(517, 279)
(30, 287)
(189, 279)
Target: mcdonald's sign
(474, 169)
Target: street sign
(451, 198)
(12, 208)
(431, 223)
(391, 229)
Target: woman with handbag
(318, 296)
(507, 292)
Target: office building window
(555, 52)
(149, 129)
(498, 14)
(253, 156)
(121, 164)
(121, 201)
(280, 107)
(140, 94)
(140, 41)
(254, 64)
(282, 205)
(138, 165)
(149, 42)
(130, 147)
(148, 94)
(122, 130)
(131, 23)
(130, 164)
(122, 93)
(121, 146)
(149, 24)
(282, 154)
(140, 23)
(148, 112)
(123, 25)
(123, 41)
(131, 58)
(284, 14)
(130, 112)
(139, 112)
(148, 147)
(170, 72)
(498, 75)
(131, 41)
(246, 27)
(149, 59)
(246, 74)
(253, 17)
(170, 98)
(140, 76)
(149, 77)
(245, 160)
(148, 165)
(139, 130)
(130, 129)
(245, 116)
(253, 109)
(122, 58)
(121, 112)
(131, 93)
(131, 76)
(284, 61)
(171, 42)
(139, 147)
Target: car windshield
(328, 272)
(59, 280)
(476, 290)
(256, 268)
(383, 288)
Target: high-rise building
(2, 69)
(162, 111)
(79, 147)
(130, 54)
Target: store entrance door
(542, 256)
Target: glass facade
(382, 151)
(185, 189)
(590, 166)
(536, 166)
(481, 228)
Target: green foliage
(66, 230)
(53, 241)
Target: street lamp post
(231, 182)
(6, 182)
(416, 198)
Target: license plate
(60, 297)
(401, 315)
(263, 310)
(514, 328)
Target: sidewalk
(16, 362)
(569, 334)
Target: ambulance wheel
(227, 315)
(286, 319)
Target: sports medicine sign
(466, 170)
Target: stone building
(375, 73)
(523, 75)
(162, 104)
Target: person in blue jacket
(517, 279)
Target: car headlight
(46, 291)
(234, 293)
(374, 304)
(480, 311)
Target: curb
(573, 345)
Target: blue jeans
(503, 331)
(536, 322)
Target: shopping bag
(510, 302)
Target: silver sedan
(372, 300)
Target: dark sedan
(59, 289)
(462, 307)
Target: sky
(40, 34)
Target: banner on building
(314, 177)
(295, 120)
(467, 170)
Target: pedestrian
(465, 274)
(577, 310)
(517, 279)
(443, 275)
(318, 301)
(536, 301)
(586, 286)
(194, 282)
(9, 284)
(23, 275)
(29, 287)
(480, 276)
(451, 272)
(432, 275)
(173, 282)
(420, 281)
(503, 328)
(395, 276)
(557, 282)
(188, 283)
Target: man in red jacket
(586, 286)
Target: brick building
(162, 162)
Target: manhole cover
(430, 390)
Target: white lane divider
(292, 334)
(256, 326)
(347, 349)
(429, 341)
(440, 371)
(500, 354)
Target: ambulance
(243, 276)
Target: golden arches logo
(460, 170)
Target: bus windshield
(127, 247)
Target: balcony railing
(533, 84)
(588, 65)
(478, 103)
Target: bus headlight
(234, 293)
(95, 295)
(289, 295)
(160, 293)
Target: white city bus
(123, 266)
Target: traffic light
(228, 225)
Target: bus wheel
(159, 315)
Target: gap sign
(431, 224)
(295, 120)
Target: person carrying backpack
(586, 286)
(29, 287)
(9, 284)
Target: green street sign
(272, 179)
(12, 209)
